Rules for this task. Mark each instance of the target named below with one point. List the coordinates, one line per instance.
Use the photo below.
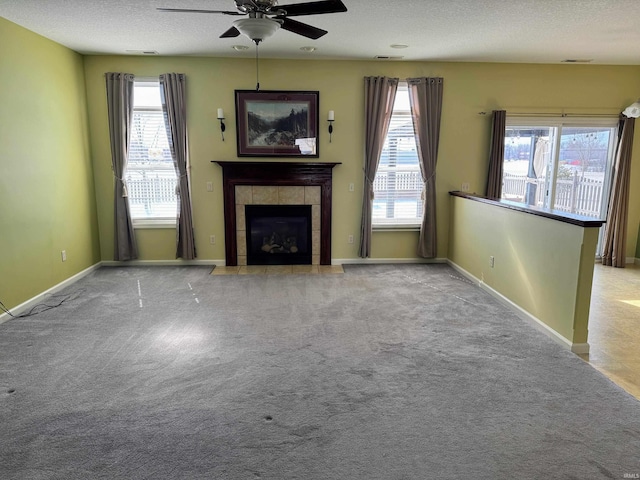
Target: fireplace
(278, 234)
(276, 183)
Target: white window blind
(150, 176)
(398, 183)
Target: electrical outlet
(350, 239)
(465, 187)
(212, 239)
(63, 254)
(492, 261)
(209, 186)
(351, 187)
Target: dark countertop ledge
(579, 220)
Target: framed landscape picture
(275, 123)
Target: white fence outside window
(580, 194)
(152, 196)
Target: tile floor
(614, 325)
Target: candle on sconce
(331, 118)
(220, 113)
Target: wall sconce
(222, 125)
(331, 118)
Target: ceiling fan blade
(313, 8)
(232, 32)
(188, 10)
(301, 28)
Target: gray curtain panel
(172, 95)
(615, 233)
(120, 108)
(496, 154)
(380, 94)
(425, 97)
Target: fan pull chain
(257, 69)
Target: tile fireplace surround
(276, 183)
(274, 195)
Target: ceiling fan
(264, 17)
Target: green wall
(47, 199)
(469, 88)
(544, 266)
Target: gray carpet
(385, 372)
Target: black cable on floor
(42, 307)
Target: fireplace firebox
(278, 234)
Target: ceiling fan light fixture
(256, 29)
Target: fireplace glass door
(278, 234)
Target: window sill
(397, 227)
(158, 224)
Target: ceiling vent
(577, 60)
(142, 52)
(389, 57)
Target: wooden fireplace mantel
(278, 174)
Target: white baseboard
(162, 263)
(23, 307)
(32, 302)
(370, 261)
(222, 262)
(574, 347)
(578, 348)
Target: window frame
(150, 222)
(405, 224)
(559, 123)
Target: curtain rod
(562, 115)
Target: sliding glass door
(562, 165)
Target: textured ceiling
(537, 31)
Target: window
(150, 175)
(564, 165)
(398, 183)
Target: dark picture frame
(274, 123)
